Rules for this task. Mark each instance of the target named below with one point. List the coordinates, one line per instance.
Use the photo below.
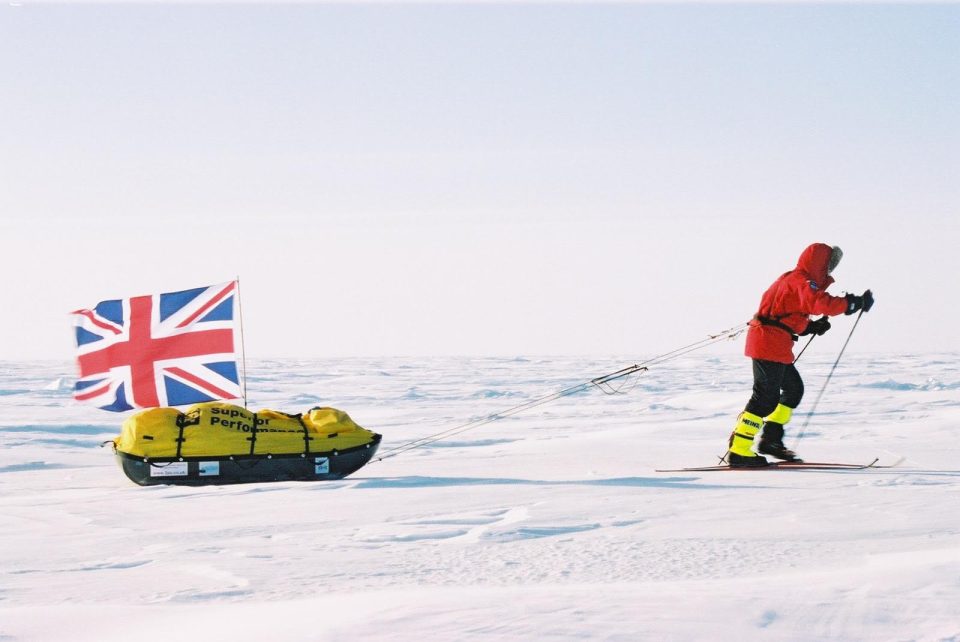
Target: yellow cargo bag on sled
(221, 431)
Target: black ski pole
(809, 341)
(816, 402)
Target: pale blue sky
(478, 179)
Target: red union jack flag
(169, 349)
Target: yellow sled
(220, 443)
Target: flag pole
(243, 347)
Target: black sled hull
(203, 471)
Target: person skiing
(784, 314)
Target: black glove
(817, 326)
(854, 303)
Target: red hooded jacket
(790, 301)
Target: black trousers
(774, 383)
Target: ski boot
(740, 461)
(771, 441)
(740, 454)
(771, 444)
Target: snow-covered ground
(549, 525)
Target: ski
(783, 465)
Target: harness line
(602, 383)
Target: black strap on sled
(181, 424)
(253, 435)
(306, 433)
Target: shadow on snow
(416, 481)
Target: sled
(219, 443)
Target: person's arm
(815, 300)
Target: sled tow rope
(602, 382)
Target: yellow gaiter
(748, 425)
(781, 415)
